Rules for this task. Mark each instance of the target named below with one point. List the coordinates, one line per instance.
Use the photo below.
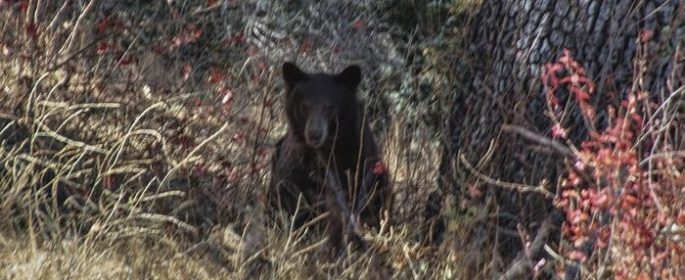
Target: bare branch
(525, 262)
(542, 140)
(351, 225)
(513, 186)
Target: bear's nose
(316, 132)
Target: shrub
(623, 192)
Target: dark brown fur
(326, 132)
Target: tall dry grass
(136, 140)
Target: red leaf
(577, 256)
(474, 192)
(236, 39)
(195, 34)
(379, 168)
(23, 5)
(102, 48)
(581, 95)
(189, 35)
(32, 30)
(600, 200)
(176, 42)
(681, 219)
(636, 118)
(126, 60)
(103, 25)
(646, 35)
(558, 131)
(215, 76)
(358, 24)
(305, 46)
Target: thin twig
(311, 222)
(77, 26)
(532, 136)
(73, 55)
(352, 226)
(58, 15)
(309, 248)
(513, 186)
(526, 260)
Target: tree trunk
(511, 41)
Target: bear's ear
(351, 76)
(292, 74)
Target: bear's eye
(304, 107)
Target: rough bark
(510, 43)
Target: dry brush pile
(136, 136)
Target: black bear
(328, 156)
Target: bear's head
(320, 107)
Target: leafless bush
(138, 133)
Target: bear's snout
(316, 132)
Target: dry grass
(136, 140)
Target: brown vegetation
(135, 137)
